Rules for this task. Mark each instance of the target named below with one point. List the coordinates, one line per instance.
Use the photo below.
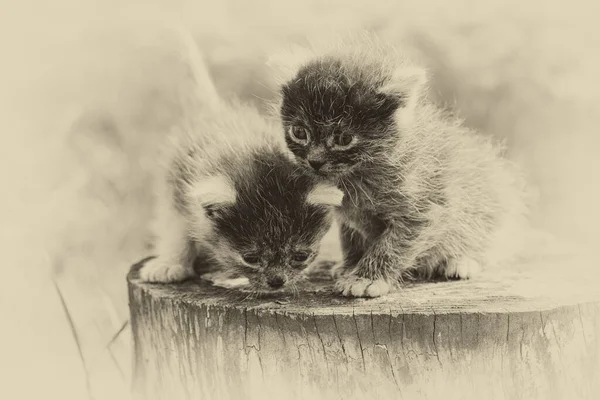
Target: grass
(87, 95)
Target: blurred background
(87, 93)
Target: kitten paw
(222, 280)
(159, 271)
(464, 268)
(353, 286)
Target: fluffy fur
(423, 194)
(229, 194)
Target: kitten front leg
(353, 248)
(176, 254)
(379, 269)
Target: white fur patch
(218, 279)
(213, 190)
(325, 194)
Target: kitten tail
(198, 90)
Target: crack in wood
(321, 339)
(435, 347)
(337, 330)
(362, 354)
(385, 347)
(279, 327)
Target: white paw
(158, 270)
(464, 268)
(222, 280)
(232, 283)
(354, 286)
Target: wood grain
(488, 338)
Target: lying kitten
(229, 193)
(423, 194)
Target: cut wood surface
(529, 333)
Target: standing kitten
(229, 193)
(423, 193)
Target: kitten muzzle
(276, 281)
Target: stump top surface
(538, 286)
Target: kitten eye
(344, 140)
(300, 256)
(251, 258)
(299, 133)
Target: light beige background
(74, 200)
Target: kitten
(229, 193)
(423, 194)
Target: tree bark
(479, 339)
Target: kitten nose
(276, 282)
(316, 164)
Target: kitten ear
(325, 194)
(405, 84)
(286, 62)
(213, 193)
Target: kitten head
(340, 115)
(268, 219)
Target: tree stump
(524, 334)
